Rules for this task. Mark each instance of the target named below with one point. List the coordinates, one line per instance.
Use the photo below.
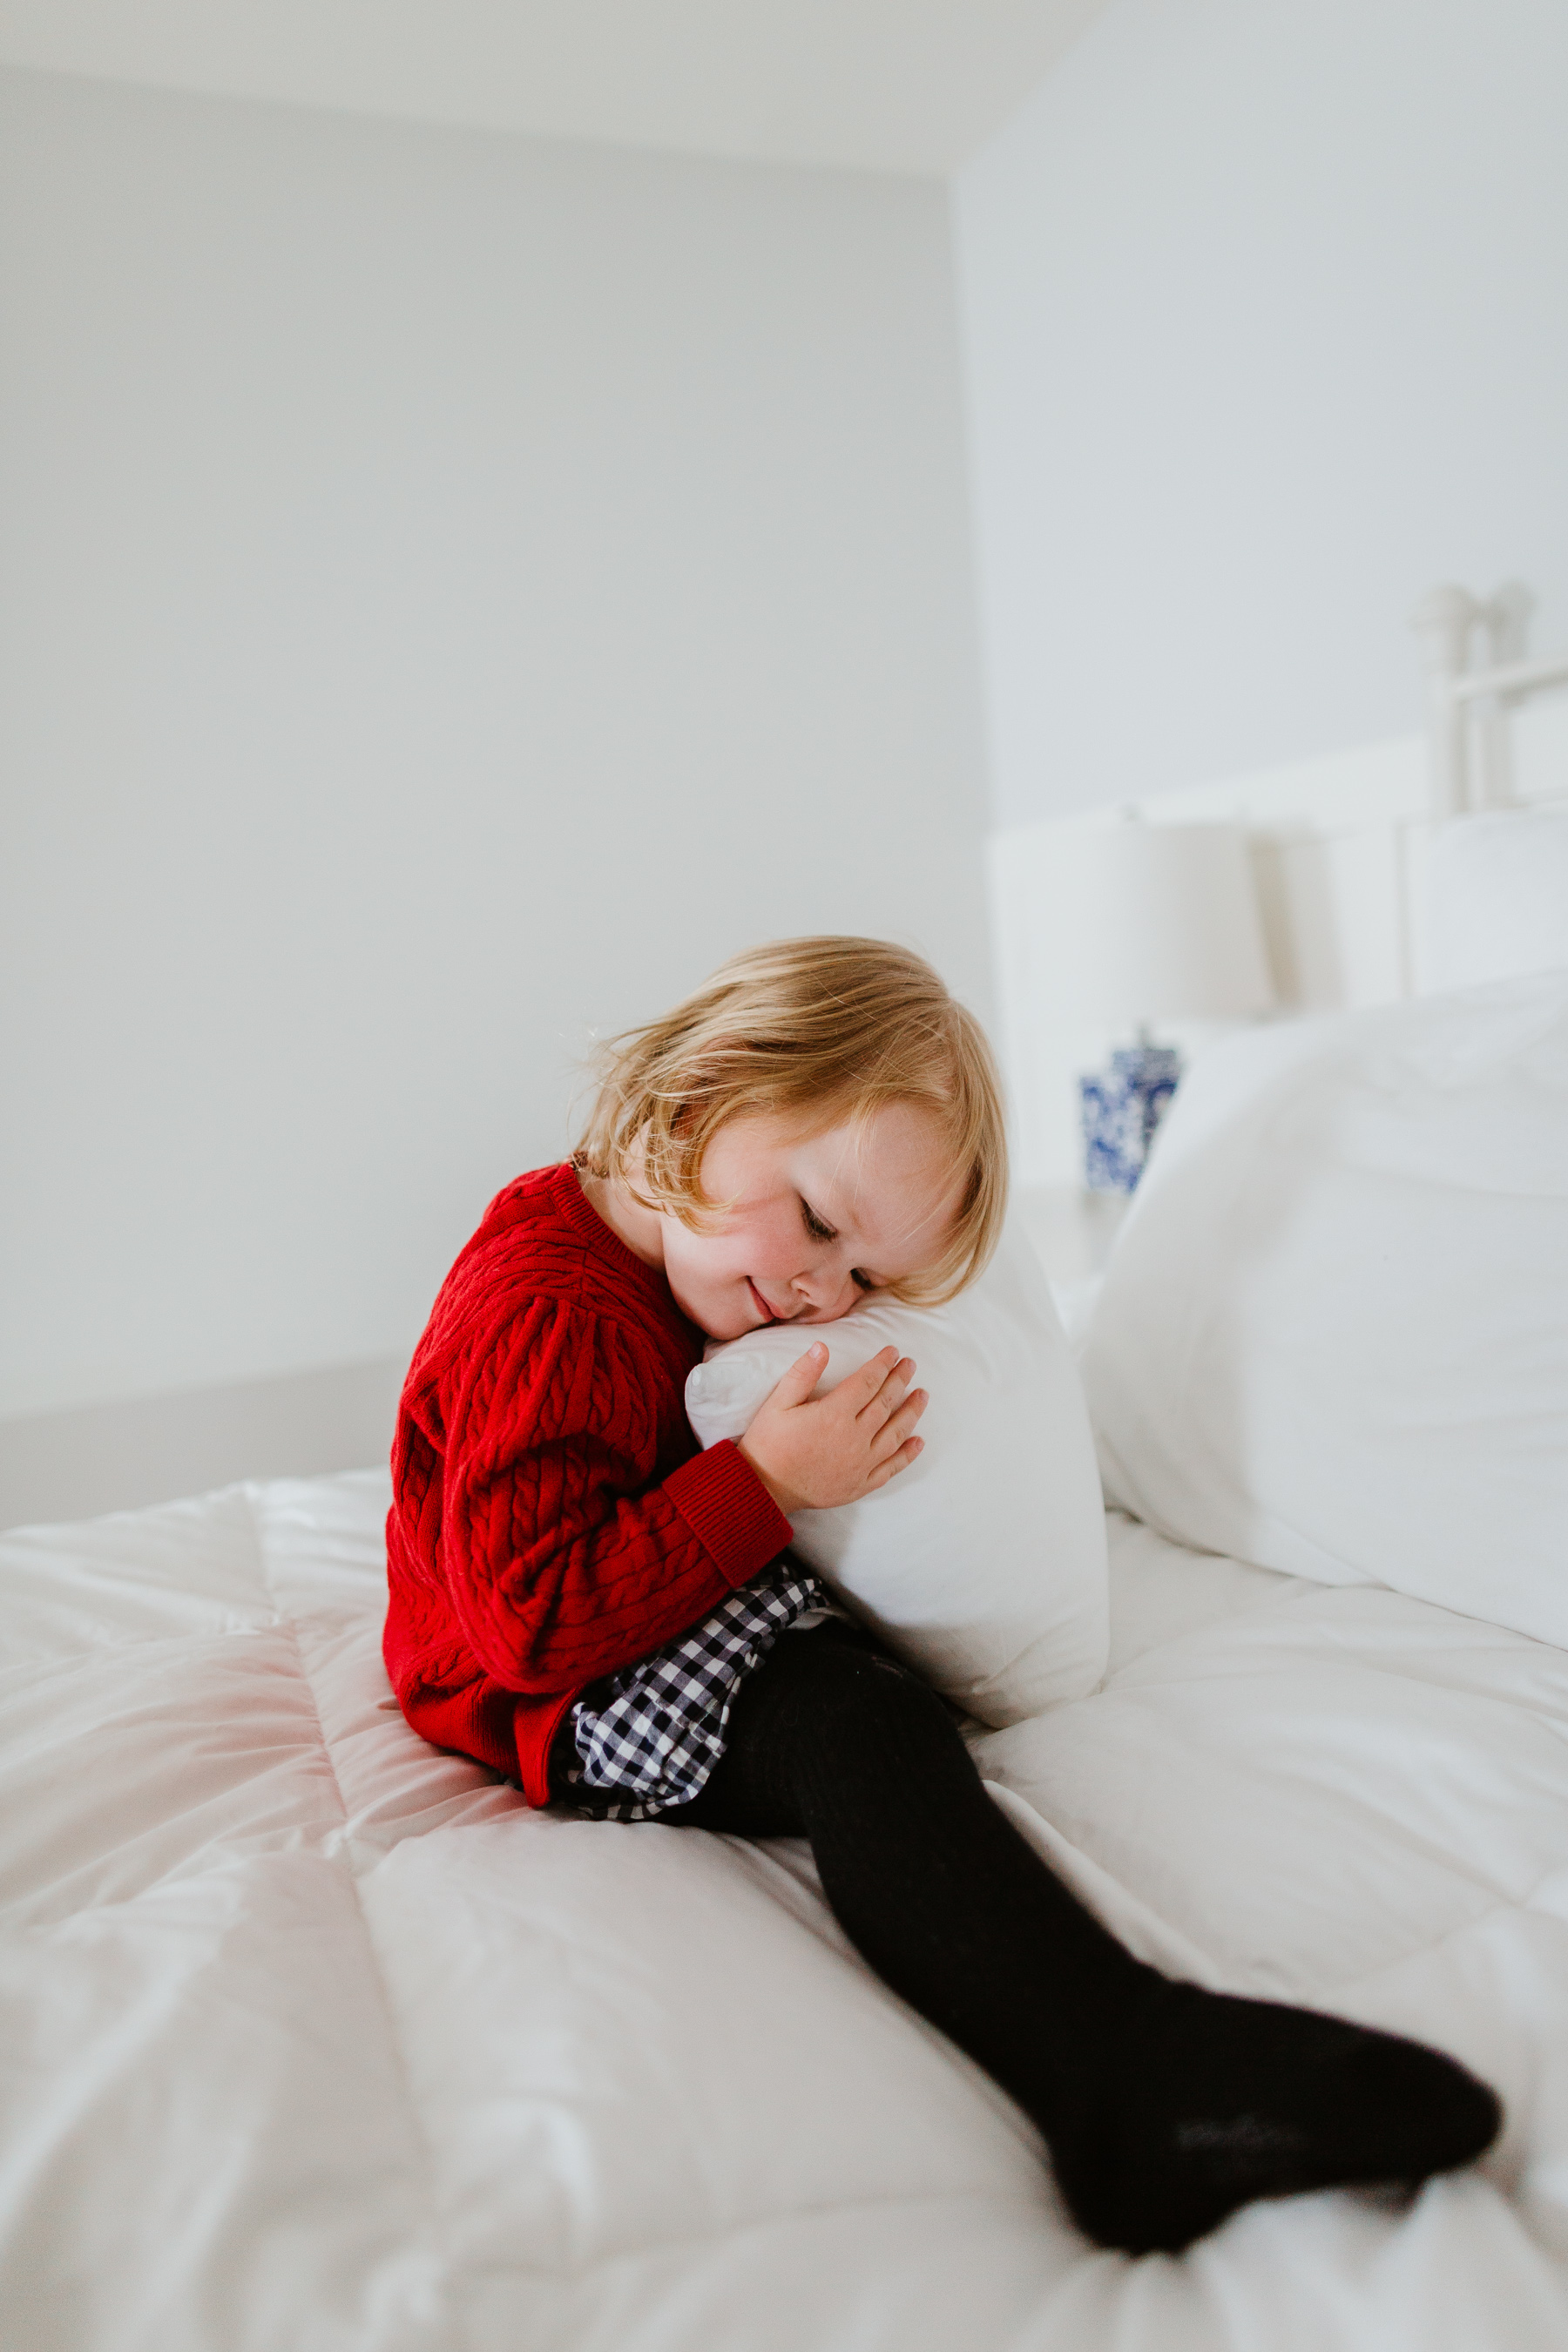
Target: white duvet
(313, 2037)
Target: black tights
(1165, 2106)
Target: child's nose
(827, 1291)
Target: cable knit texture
(553, 1519)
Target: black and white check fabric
(652, 1733)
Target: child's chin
(716, 1322)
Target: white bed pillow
(983, 1564)
(1498, 897)
(1333, 1333)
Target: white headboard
(1340, 849)
(1472, 706)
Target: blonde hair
(825, 1030)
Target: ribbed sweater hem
(729, 1511)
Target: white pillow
(1498, 897)
(983, 1563)
(1333, 1333)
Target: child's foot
(1215, 2101)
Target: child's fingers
(899, 1425)
(795, 1385)
(860, 1387)
(888, 1393)
(908, 1452)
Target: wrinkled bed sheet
(314, 2037)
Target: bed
(316, 2037)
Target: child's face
(817, 1219)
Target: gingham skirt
(648, 1736)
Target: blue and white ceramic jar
(1120, 1108)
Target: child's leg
(1165, 2106)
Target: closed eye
(821, 1230)
(815, 1225)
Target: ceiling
(875, 85)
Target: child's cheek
(773, 1253)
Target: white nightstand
(1072, 1231)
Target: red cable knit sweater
(552, 1516)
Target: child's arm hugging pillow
(983, 1563)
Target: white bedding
(314, 2037)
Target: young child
(584, 1601)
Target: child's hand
(812, 1452)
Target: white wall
(1264, 333)
(455, 589)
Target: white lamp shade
(1142, 922)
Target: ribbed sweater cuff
(729, 1510)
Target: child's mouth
(763, 1308)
